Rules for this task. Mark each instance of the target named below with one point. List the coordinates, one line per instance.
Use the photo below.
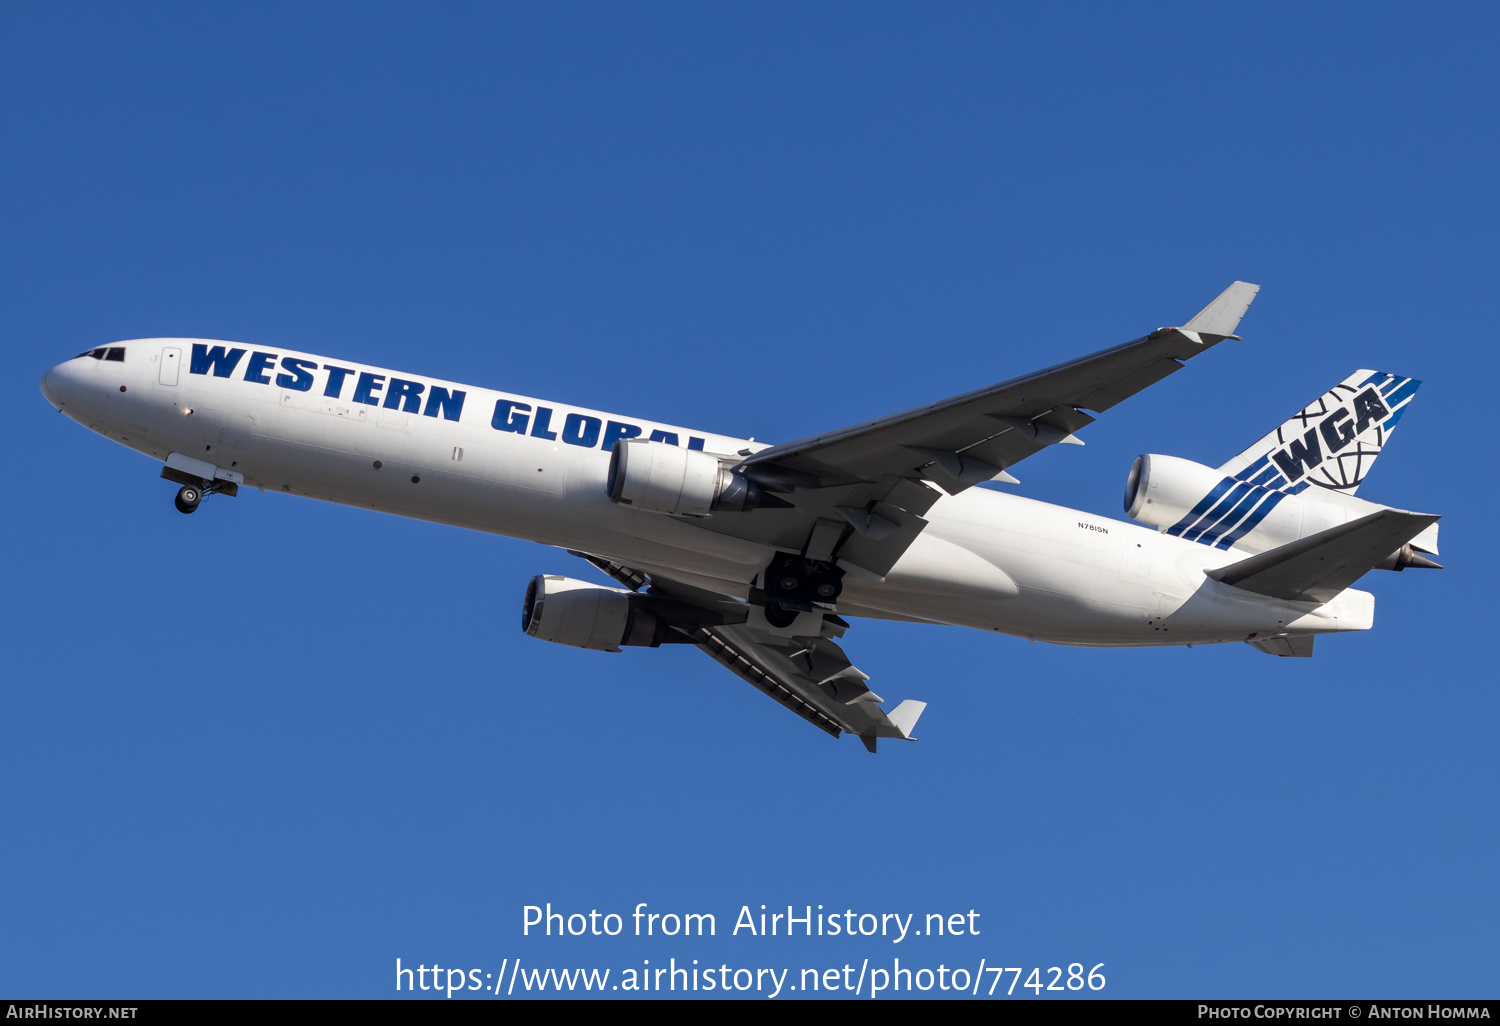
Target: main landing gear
(794, 584)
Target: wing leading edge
(858, 495)
(1001, 425)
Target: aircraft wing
(811, 676)
(858, 494)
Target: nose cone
(50, 389)
(65, 385)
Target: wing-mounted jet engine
(808, 674)
(584, 615)
(665, 478)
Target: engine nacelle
(665, 478)
(1201, 504)
(1162, 489)
(584, 615)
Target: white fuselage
(506, 464)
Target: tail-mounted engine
(665, 478)
(1200, 504)
(584, 615)
(1162, 489)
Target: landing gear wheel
(187, 499)
(778, 615)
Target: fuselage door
(171, 363)
(1141, 559)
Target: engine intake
(584, 615)
(665, 478)
(1162, 489)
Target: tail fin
(1334, 441)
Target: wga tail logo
(1326, 444)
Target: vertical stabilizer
(1333, 442)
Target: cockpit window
(112, 353)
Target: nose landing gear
(197, 486)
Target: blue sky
(268, 749)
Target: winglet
(899, 723)
(904, 716)
(1223, 315)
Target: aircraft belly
(1068, 568)
(1089, 580)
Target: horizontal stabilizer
(1223, 315)
(1318, 567)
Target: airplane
(758, 554)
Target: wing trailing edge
(809, 676)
